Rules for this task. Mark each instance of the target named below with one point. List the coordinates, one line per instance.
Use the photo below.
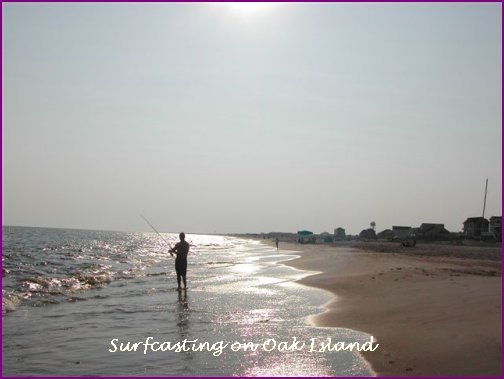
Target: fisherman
(276, 241)
(181, 249)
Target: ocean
(80, 303)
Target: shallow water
(122, 289)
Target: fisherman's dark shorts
(181, 267)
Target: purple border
(239, 1)
(249, 1)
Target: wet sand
(434, 314)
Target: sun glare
(248, 8)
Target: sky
(218, 118)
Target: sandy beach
(433, 312)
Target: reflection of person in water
(183, 312)
(181, 249)
(183, 304)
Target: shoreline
(435, 315)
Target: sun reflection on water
(289, 365)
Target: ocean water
(72, 300)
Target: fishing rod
(159, 234)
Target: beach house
(367, 234)
(496, 227)
(386, 234)
(399, 232)
(339, 234)
(474, 226)
(432, 231)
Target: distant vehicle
(406, 237)
(409, 241)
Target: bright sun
(248, 7)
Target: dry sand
(433, 313)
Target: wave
(38, 288)
(64, 285)
(10, 301)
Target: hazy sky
(214, 118)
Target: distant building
(326, 237)
(306, 236)
(400, 231)
(339, 234)
(474, 226)
(387, 234)
(432, 231)
(368, 234)
(495, 223)
(496, 227)
(400, 228)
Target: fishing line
(159, 234)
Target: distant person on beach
(181, 249)
(276, 241)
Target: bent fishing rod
(159, 234)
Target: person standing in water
(181, 249)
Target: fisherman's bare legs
(178, 281)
